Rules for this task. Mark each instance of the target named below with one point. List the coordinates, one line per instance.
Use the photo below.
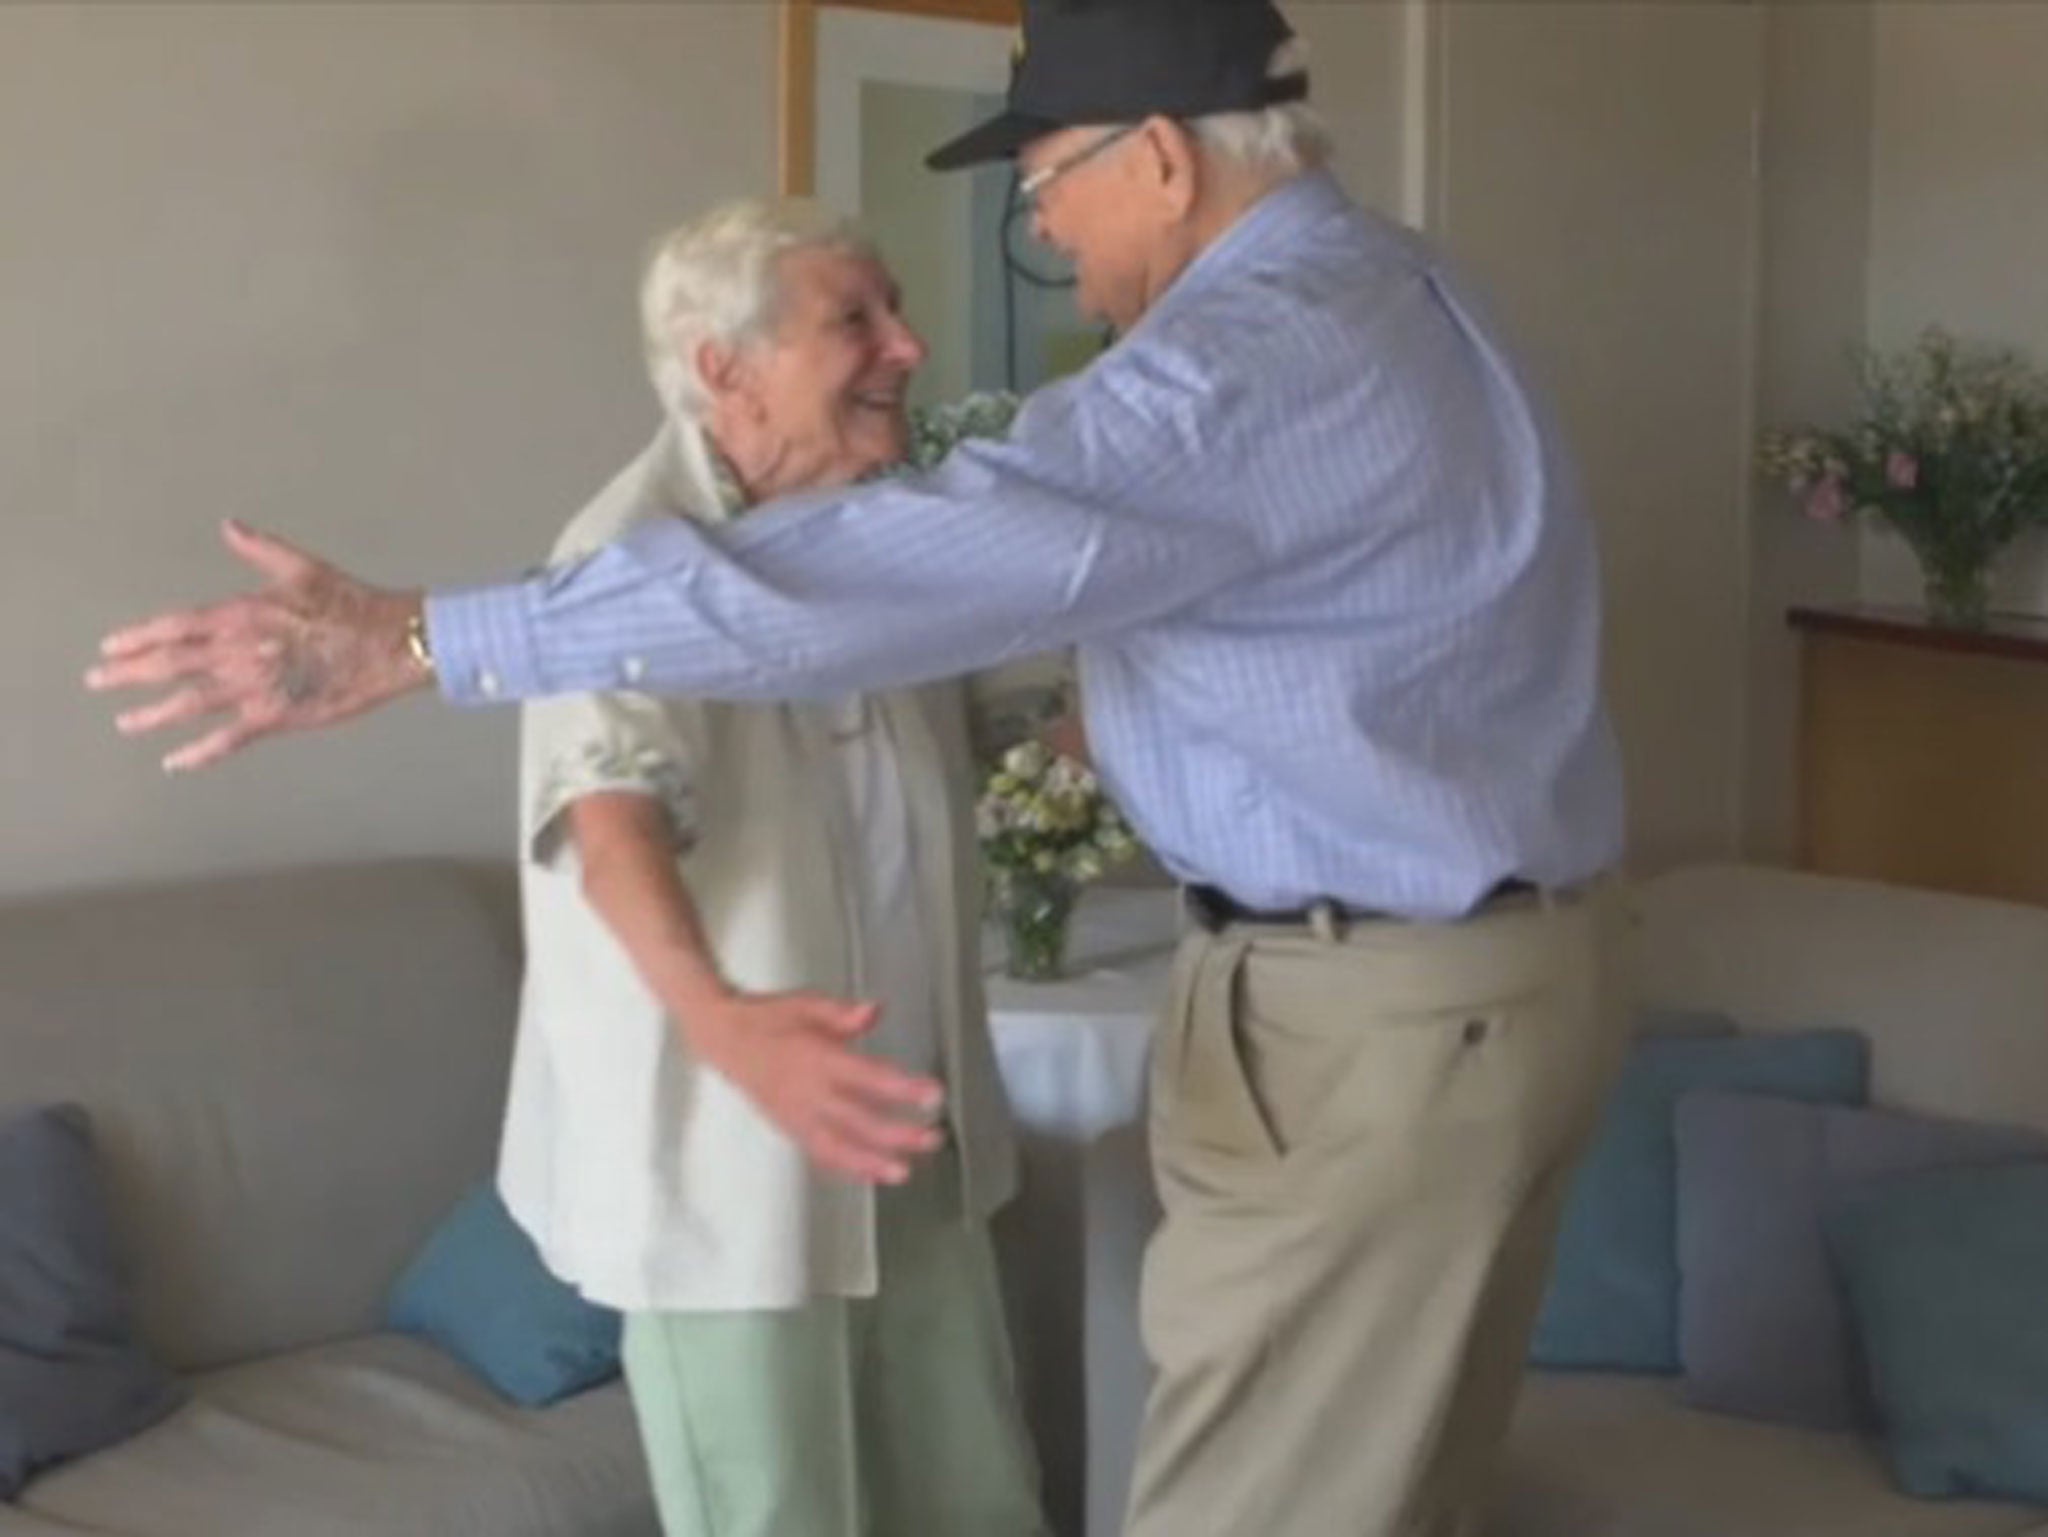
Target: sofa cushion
(291, 1076)
(1613, 1296)
(380, 1436)
(480, 1291)
(73, 1378)
(1763, 1327)
(1947, 1273)
(1601, 1455)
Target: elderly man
(1336, 607)
(808, 1356)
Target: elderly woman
(786, 1196)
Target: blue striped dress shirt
(1333, 592)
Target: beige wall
(1960, 217)
(361, 273)
(1907, 150)
(1591, 163)
(901, 201)
(1579, 157)
(1355, 50)
(1813, 301)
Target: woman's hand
(796, 1056)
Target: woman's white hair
(716, 279)
(1283, 140)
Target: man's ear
(1173, 158)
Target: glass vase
(1034, 912)
(1958, 594)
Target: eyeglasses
(1030, 187)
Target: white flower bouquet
(1046, 829)
(935, 430)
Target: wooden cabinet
(1924, 752)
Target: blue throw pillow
(1763, 1327)
(1613, 1297)
(1947, 1275)
(73, 1378)
(480, 1292)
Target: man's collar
(1294, 205)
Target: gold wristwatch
(416, 642)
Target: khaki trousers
(1362, 1139)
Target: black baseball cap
(1122, 61)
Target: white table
(1073, 1055)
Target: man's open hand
(312, 647)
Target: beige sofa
(1953, 996)
(292, 1077)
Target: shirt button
(487, 684)
(635, 669)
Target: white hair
(716, 279)
(1283, 140)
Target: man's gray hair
(715, 279)
(1280, 141)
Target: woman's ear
(716, 368)
(727, 380)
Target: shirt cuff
(483, 645)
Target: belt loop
(1325, 922)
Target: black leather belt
(1215, 910)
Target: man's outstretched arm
(1092, 517)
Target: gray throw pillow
(1764, 1329)
(1612, 1302)
(72, 1378)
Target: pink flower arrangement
(1951, 452)
(1827, 501)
